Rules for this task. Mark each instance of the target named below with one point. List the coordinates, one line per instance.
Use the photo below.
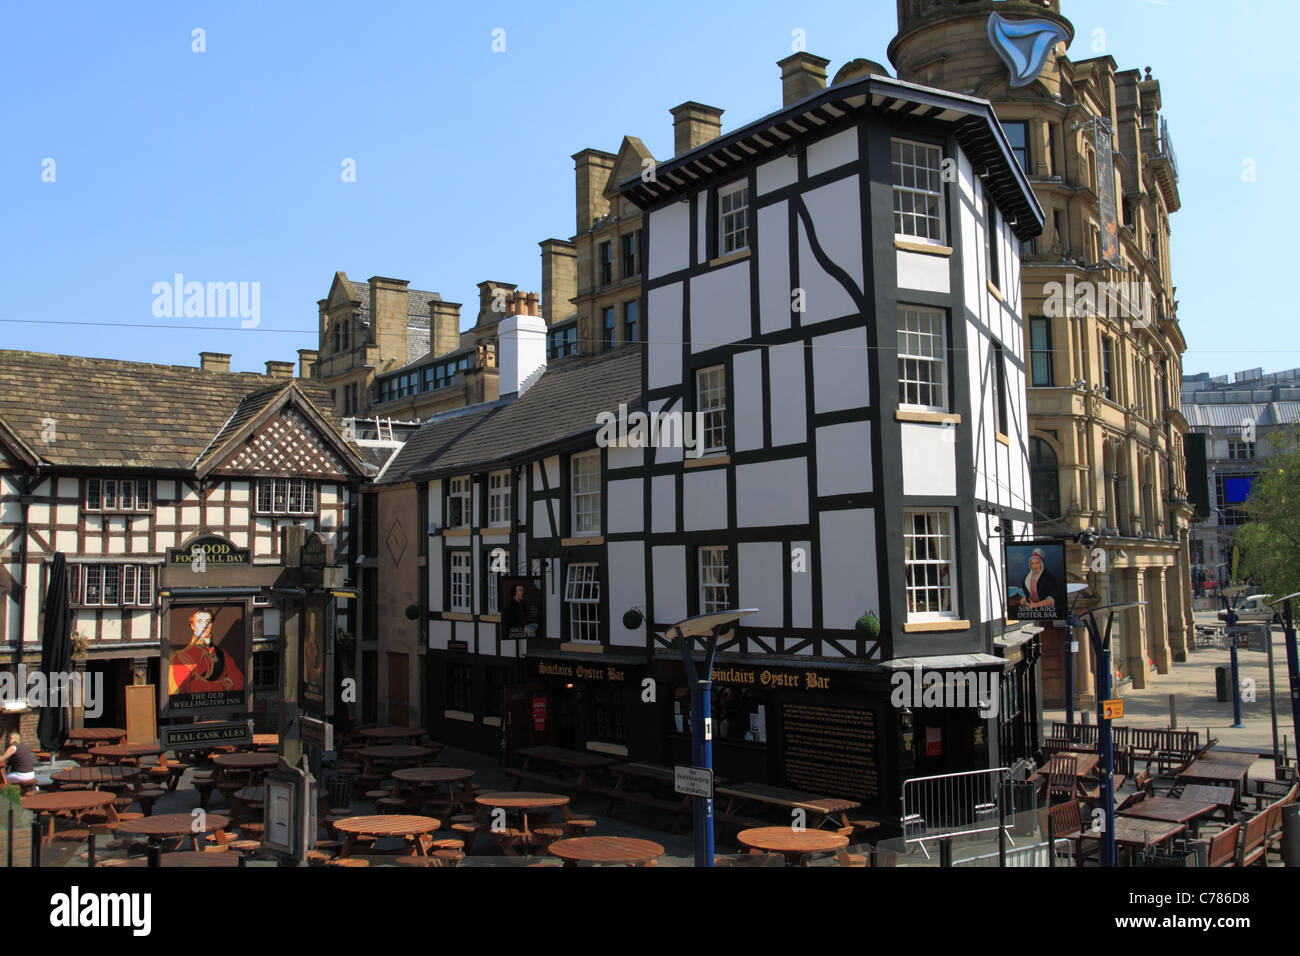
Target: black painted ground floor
(824, 726)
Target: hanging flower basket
(868, 626)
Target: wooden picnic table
(435, 777)
(385, 825)
(822, 809)
(521, 803)
(164, 826)
(96, 775)
(794, 845)
(637, 782)
(1231, 757)
(124, 752)
(1171, 810)
(1216, 773)
(1135, 834)
(97, 735)
(555, 760)
(397, 753)
(593, 850)
(1225, 798)
(71, 802)
(392, 733)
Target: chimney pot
(532, 298)
(279, 370)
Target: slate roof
(1231, 415)
(111, 413)
(562, 404)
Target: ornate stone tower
(1105, 436)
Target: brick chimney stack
(282, 371)
(214, 361)
(307, 362)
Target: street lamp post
(1105, 739)
(711, 627)
(1075, 588)
(1229, 598)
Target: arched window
(1044, 480)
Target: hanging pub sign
(312, 690)
(206, 651)
(1035, 574)
(208, 549)
(313, 553)
(523, 608)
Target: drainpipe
(25, 501)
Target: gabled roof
(562, 405)
(107, 413)
(631, 154)
(877, 98)
(13, 449)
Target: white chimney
(521, 352)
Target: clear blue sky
(226, 165)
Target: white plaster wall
(669, 583)
(789, 409)
(918, 270)
(761, 585)
(848, 566)
(704, 499)
(844, 458)
(626, 589)
(772, 493)
(840, 364)
(824, 297)
(663, 504)
(774, 272)
(670, 228)
(833, 151)
(625, 511)
(929, 459)
(833, 209)
(720, 306)
(777, 173)
(663, 333)
(747, 386)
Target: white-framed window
(499, 499)
(459, 583)
(110, 585)
(930, 564)
(922, 359)
(711, 400)
(492, 599)
(715, 580)
(585, 476)
(733, 217)
(1241, 450)
(582, 598)
(459, 499)
(918, 190)
(118, 494)
(285, 496)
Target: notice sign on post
(1112, 709)
(693, 781)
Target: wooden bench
(1252, 848)
(1223, 847)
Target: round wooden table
(521, 802)
(434, 776)
(392, 733)
(183, 858)
(165, 825)
(98, 734)
(594, 850)
(110, 775)
(794, 845)
(384, 825)
(404, 753)
(117, 752)
(74, 802)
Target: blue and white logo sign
(1024, 45)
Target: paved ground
(1191, 686)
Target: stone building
(1239, 418)
(1103, 342)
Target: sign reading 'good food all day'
(209, 549)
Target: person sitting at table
(17, 761)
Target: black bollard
(1291, 835)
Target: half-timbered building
(121, 465)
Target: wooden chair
(1223, 847)
(1132, 800)
(1252, 847)
(1065, 821)
(1062, 778)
